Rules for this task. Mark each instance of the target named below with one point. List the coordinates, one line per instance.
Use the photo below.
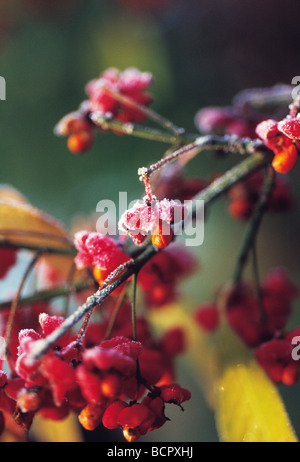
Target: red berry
(75, 122)
(267, 129)
(281, 199)
(152, 365)
(142, 219)
(275, 357)
(173, 342)
(111, 415)
(29, 401)
(131, 83)
(95, 249)
(174, 394)
(290, 374)
(157, 407)
(51, 323)
(207, 316)
(133, 416)
(241, 208)
(89, 384)
(290, 127)
(213, 119)
(244, 317)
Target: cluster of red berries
(155, 219)
(177, 186)
(131, 83)
(244, 196)
(260, 322)
(94, 379)
(102, 254)
(282, 137)
(107, 380)
(229, 120)
(158, 279)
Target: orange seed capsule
(111, 386)
(162, 235)
(91, 415)
(80, 142)
(285, 160)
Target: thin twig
(69, 283)
(253, 227)
(107, 123)
(32, 233)
(51, 294)
(15, 301)
(257, 285)
(133, 306)
(71, 252)
(116, 312)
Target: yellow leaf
(63, 431)
(22, 223)
(249, 407)
(7, 192)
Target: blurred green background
(200, 53)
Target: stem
(229, 144)
(15, 301)
(253, 227)
(83, 328)
(38, 234)
(104, 122)
(261, 98)
(126, 101)
(69, 284)
(257, 284)
(115, 313)
(37, 248)
(133, 307)
(46, 295)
